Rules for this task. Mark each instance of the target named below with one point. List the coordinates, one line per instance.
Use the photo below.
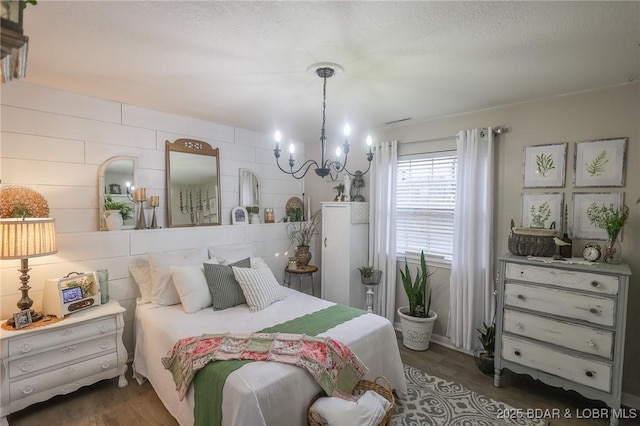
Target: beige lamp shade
(27, 237)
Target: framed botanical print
(582, 227)
(542, 210)
(544, 166)
(239, 216)
(600, 162)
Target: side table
(301, 272)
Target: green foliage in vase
(611, 218)
(124, 209)
(301, 233)
(366, 271)
(416, 290)
(544, 164)
(542, 213)
(598, 164)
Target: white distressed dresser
(563, 324)
(42, 362)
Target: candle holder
(140, 196)
(154, 201)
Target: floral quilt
(331, 363)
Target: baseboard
(630, 400)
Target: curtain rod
(496, 131)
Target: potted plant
(124, 208)
(300, 235)
(611, 219)
(417, 319)
(368, 275)
(484, 359)
(253, 211)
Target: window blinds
(426, 194)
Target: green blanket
(210, 380)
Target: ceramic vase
(303, 255)
(113, 220)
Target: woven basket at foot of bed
(360, 388)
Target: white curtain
(382, 225)
(471, 286)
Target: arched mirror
(193, 183)
(116, 177)
(249, 189)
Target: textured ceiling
(245, 64)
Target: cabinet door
(335, 253)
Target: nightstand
(59, 358)
(301, 272)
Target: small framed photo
(239, 216)
(582, 227)
(22, 319)
(542, 210)
(600, 162)
(544, 165)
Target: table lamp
(22, 239)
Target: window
(426, 197)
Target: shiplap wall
(54, 142)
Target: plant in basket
(484, 359)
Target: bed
(260, 393)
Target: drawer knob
(69, 371)
(25, 347)
(590, 343)
(68, 349)
(520, 296)
(27, 389)
(26, 366)
(105, 364)
(105, 344)
(589, 373)
(593, 310)
(595, 284)
(518, 324)
(67, 332)
(104, 328)
(516, 352)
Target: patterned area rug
(432, 401)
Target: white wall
(54, 142)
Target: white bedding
(260, 393)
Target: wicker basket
(360, 388)
(532, 241)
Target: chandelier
(326, 166)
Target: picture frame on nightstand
(22, 319)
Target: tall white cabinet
(345, 247)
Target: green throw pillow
(225, 290)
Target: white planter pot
(416, 332)
(113, 219)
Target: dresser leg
(122, 380)
(496, 377)
(613, 419)
(3, 421)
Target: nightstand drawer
(560, 333)
(584, 371)
(60, 335)
(595, 309)
(62, 376)
(598, 283)
(29, 364)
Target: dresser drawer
(32, 363)
(592, 308)
(598, 283)
(60, 335)
(584, 371)
(62, 376)
(573, 336)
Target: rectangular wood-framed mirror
(193, 183)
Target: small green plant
(366, 271)
(301, 233)
(544, 164)
(124, 209)
(416, 290)
(597, 166)
(488, 337)
(253, 209)
(611, 218)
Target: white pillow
(230, 254)
(141, 273)
(164, 291)
(259, 287)
(368, 410)
(192, 287)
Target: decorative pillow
(164, 291)
(230, 254)
(141, 273)
(192, 287)
(225, 291)
(258, 262)
(259, 287)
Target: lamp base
(35, 317)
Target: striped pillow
(259, 287)
(224, 289)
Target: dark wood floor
(104, 404)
